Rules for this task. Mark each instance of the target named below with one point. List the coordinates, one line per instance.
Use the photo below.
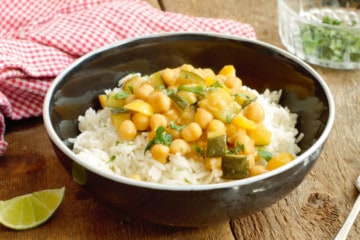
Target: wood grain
(315, 210)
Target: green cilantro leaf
(161, 137)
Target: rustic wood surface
(315, 210)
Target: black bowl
(258, 64)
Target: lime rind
(30, 210)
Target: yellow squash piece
(102, 100)
(116, 119)
(114, 100)
(241, 121)
(140, 106)
(228, 71)
(261, 135)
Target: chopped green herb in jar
(324, 42)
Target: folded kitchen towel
(39, 38)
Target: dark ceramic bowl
(258, 64)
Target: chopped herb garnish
(112, 158)
(120, 95)
(239, 147)
(217, 84)
(326, 43)
(160, 87)
(228, 118)
(169, 91)
(176, 127)
(198, 149)
(194, 89)
(131, 88)
(161, 137)
(265, 154)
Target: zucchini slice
(216, 144)
(180, 102)
(235, 166)
(187, 77)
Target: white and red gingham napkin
(39, 38)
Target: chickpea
(174, 133)
(160, 152)
(127, 130)
(251, 159)
(233, 82)
(169, 76)
(246, 144)
(173, 115)
(255, 112)
(212, 163)
(158, 120)
(216, 125)
(232, 133)
(187, 67)
(180, 146)
(257, 170)
(141, 121)
(191, 132)
(159, 101)
(144, 91)
(203, 117)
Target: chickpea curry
(196, 113)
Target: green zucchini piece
(216, 144)
(156, 81)
(235, 166)
(179, 101)
(187, 77)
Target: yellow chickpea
(144, 91)
(173, 115)
(191, 132)
(160, 152)
(160, 102)
(158, 120)
(141, 121)
(216, 125)
(127, 130)
(255, 112)
(257, 170)
(245, 143)
(233, 82)
(203, 118)
(212, 163)
(169, 76)
(180, 146)
(174, 133)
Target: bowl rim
(200, 187)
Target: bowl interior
(259, 65)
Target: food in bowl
(187, 125)
(260, 65)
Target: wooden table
(315, 210)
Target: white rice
(98, 144)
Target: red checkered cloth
(39, 38)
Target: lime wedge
(30, 210)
